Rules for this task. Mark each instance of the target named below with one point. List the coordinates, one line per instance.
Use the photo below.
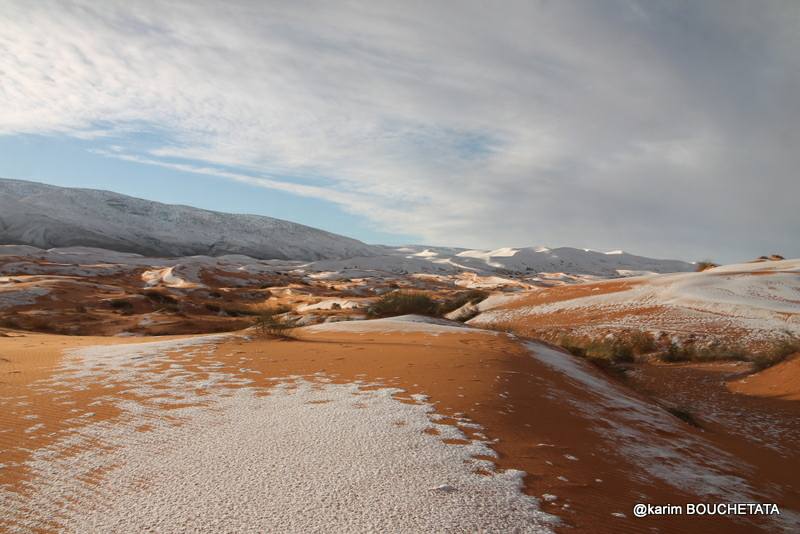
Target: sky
(668, 129)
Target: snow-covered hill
(744, 302)
(528, 261)
(50, 217)
(47, 216)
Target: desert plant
(124, 306)
(642, 342)
(684, 415)
(159, 297)
(720, 352)
(775, 353)
(705, 265)
(676, 353)
(613, 351)
(712, 353)
(467, 315)
(403, 303)
(272, 323)
(472, 296)
(118, 304)
(10, 322)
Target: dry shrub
(273, 323)
(404, 303)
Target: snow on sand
(762, 298)
(401, 323)
(313, 456)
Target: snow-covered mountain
(47, 216)
(526, 261)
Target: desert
(399, 267)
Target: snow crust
(48, 216)
(640, 428)
(765, 303)
(529, 260)
(329, 304)
(402, 323)
(312, 456)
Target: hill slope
(743, 303)
(47, 216)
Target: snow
(565, 260)
(402, 323)
(165, 277)
(329, 304)
(646, 435)
(316, 457)
(48, 216)
(765, 303)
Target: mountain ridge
(48, 216)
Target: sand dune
(748, 302)
(424, 427)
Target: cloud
(668, 129)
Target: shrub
(684, 415)
(159, 297)
(775, 353)
(270, 322)
(10, 322)
(642, 342)
(612, 351)
(705, 265)
(466, 316)
(720, 352)
(676, 353)
(123, 305)
(712, 353)
(473, 296)
(252, 311)
(403, 303)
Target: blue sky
(667, 129)
(70, 162)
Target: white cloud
(661, 128)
